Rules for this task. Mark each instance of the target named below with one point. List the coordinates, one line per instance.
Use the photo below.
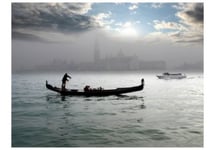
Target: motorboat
(168, 75)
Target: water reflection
(142, 106)
(63, 98)
(54, 98)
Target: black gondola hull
(104, 92)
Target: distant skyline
(171, 32)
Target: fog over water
(32, 54)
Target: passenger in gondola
(100, 88)
(64, 79)
(86, 88)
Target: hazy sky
(41, 32)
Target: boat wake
(195, 77)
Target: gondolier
(64, 79)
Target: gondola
(95, 92)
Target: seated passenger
(86, 88)
(100, 88)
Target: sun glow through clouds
(127, 30)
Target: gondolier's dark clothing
(64, 79)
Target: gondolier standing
(64, 79)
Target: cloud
(158, 37)
(191, 14)
(186, 37)
(124, 30)
(79, 8)
(57, 17)
(102, 19)
(156, 5)
(159, 25)
(133, 7)
(189, 28)
(26, 36)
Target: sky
(42, 32)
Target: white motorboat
(167, 75)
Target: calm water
(166, 113)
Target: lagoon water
(167, 113)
